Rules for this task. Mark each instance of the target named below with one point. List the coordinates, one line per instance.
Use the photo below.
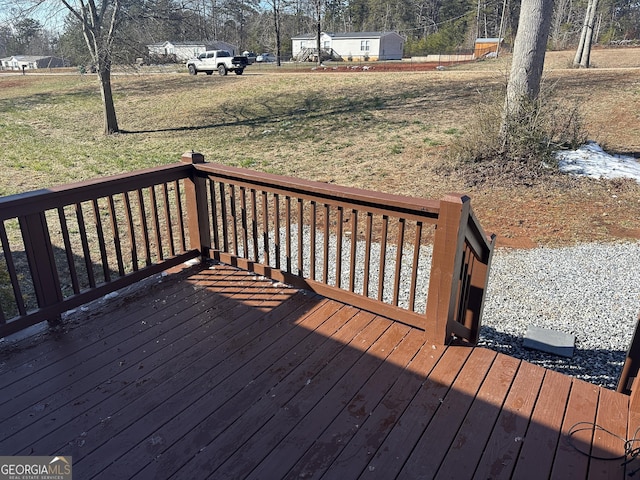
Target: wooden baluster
(325, 257)
(254, 225)
(367, 254)
(300, 238)
(85, 246)
(116, 234)
(224, 218)
(399, 249)
(339, 247)
(383, 257)
(132, 235)
(234, 220)
(276, 227)
(180, 215)
(414, 267)
(352, 253)
(145, 228)
(11, 269)
(156, 222)
(244, 222)
(167, 217)
(101, 243)
(312, 242)
(265, 229)
(73, 272)
(287, 238)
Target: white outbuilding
(182, 51)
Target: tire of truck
(209, 72)
(222, 70)
(192, 70)
(239, 71)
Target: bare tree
(528, 61)
(583, 53)
(99, 22)
(276, 10)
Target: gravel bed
(591, 291)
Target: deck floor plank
(324, 391)
(398, 446)
(16, 364)
(333, 420)
(224, 355)
(354, 416)
(107, 394)
(541, 440)
(350, 462)
(86, 386)
(571, 459)
(608, 440)
(468, 445)
(503, 447)
(219, 373)
(441, 431)
(330, 355)
(193, 428)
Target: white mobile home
(354, 46)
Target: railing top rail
(27, 203)
(402, 204)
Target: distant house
(355, 46)
(30, 62)
(486, 46)
(183, 51)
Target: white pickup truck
(219, 60)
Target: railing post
(629, 383)
(197, 211)
(447, 260)
(41, 260)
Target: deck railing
(65, 246)
(421, 262)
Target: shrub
(526, 150)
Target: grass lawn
(388, 131)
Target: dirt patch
(385, 67)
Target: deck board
(218, 373)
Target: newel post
(448, 246)
(197, 211)
(41, 260)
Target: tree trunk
(586, 51)
(110, 119)
(318, 34)
(276, 26)
(583, 37)
(528, 60)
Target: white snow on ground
(592, 161)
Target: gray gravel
(590, 290)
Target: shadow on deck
(218, 373)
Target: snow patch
(591, 160)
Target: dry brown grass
(388, 131)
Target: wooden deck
(221, 374)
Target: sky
(592, 161)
